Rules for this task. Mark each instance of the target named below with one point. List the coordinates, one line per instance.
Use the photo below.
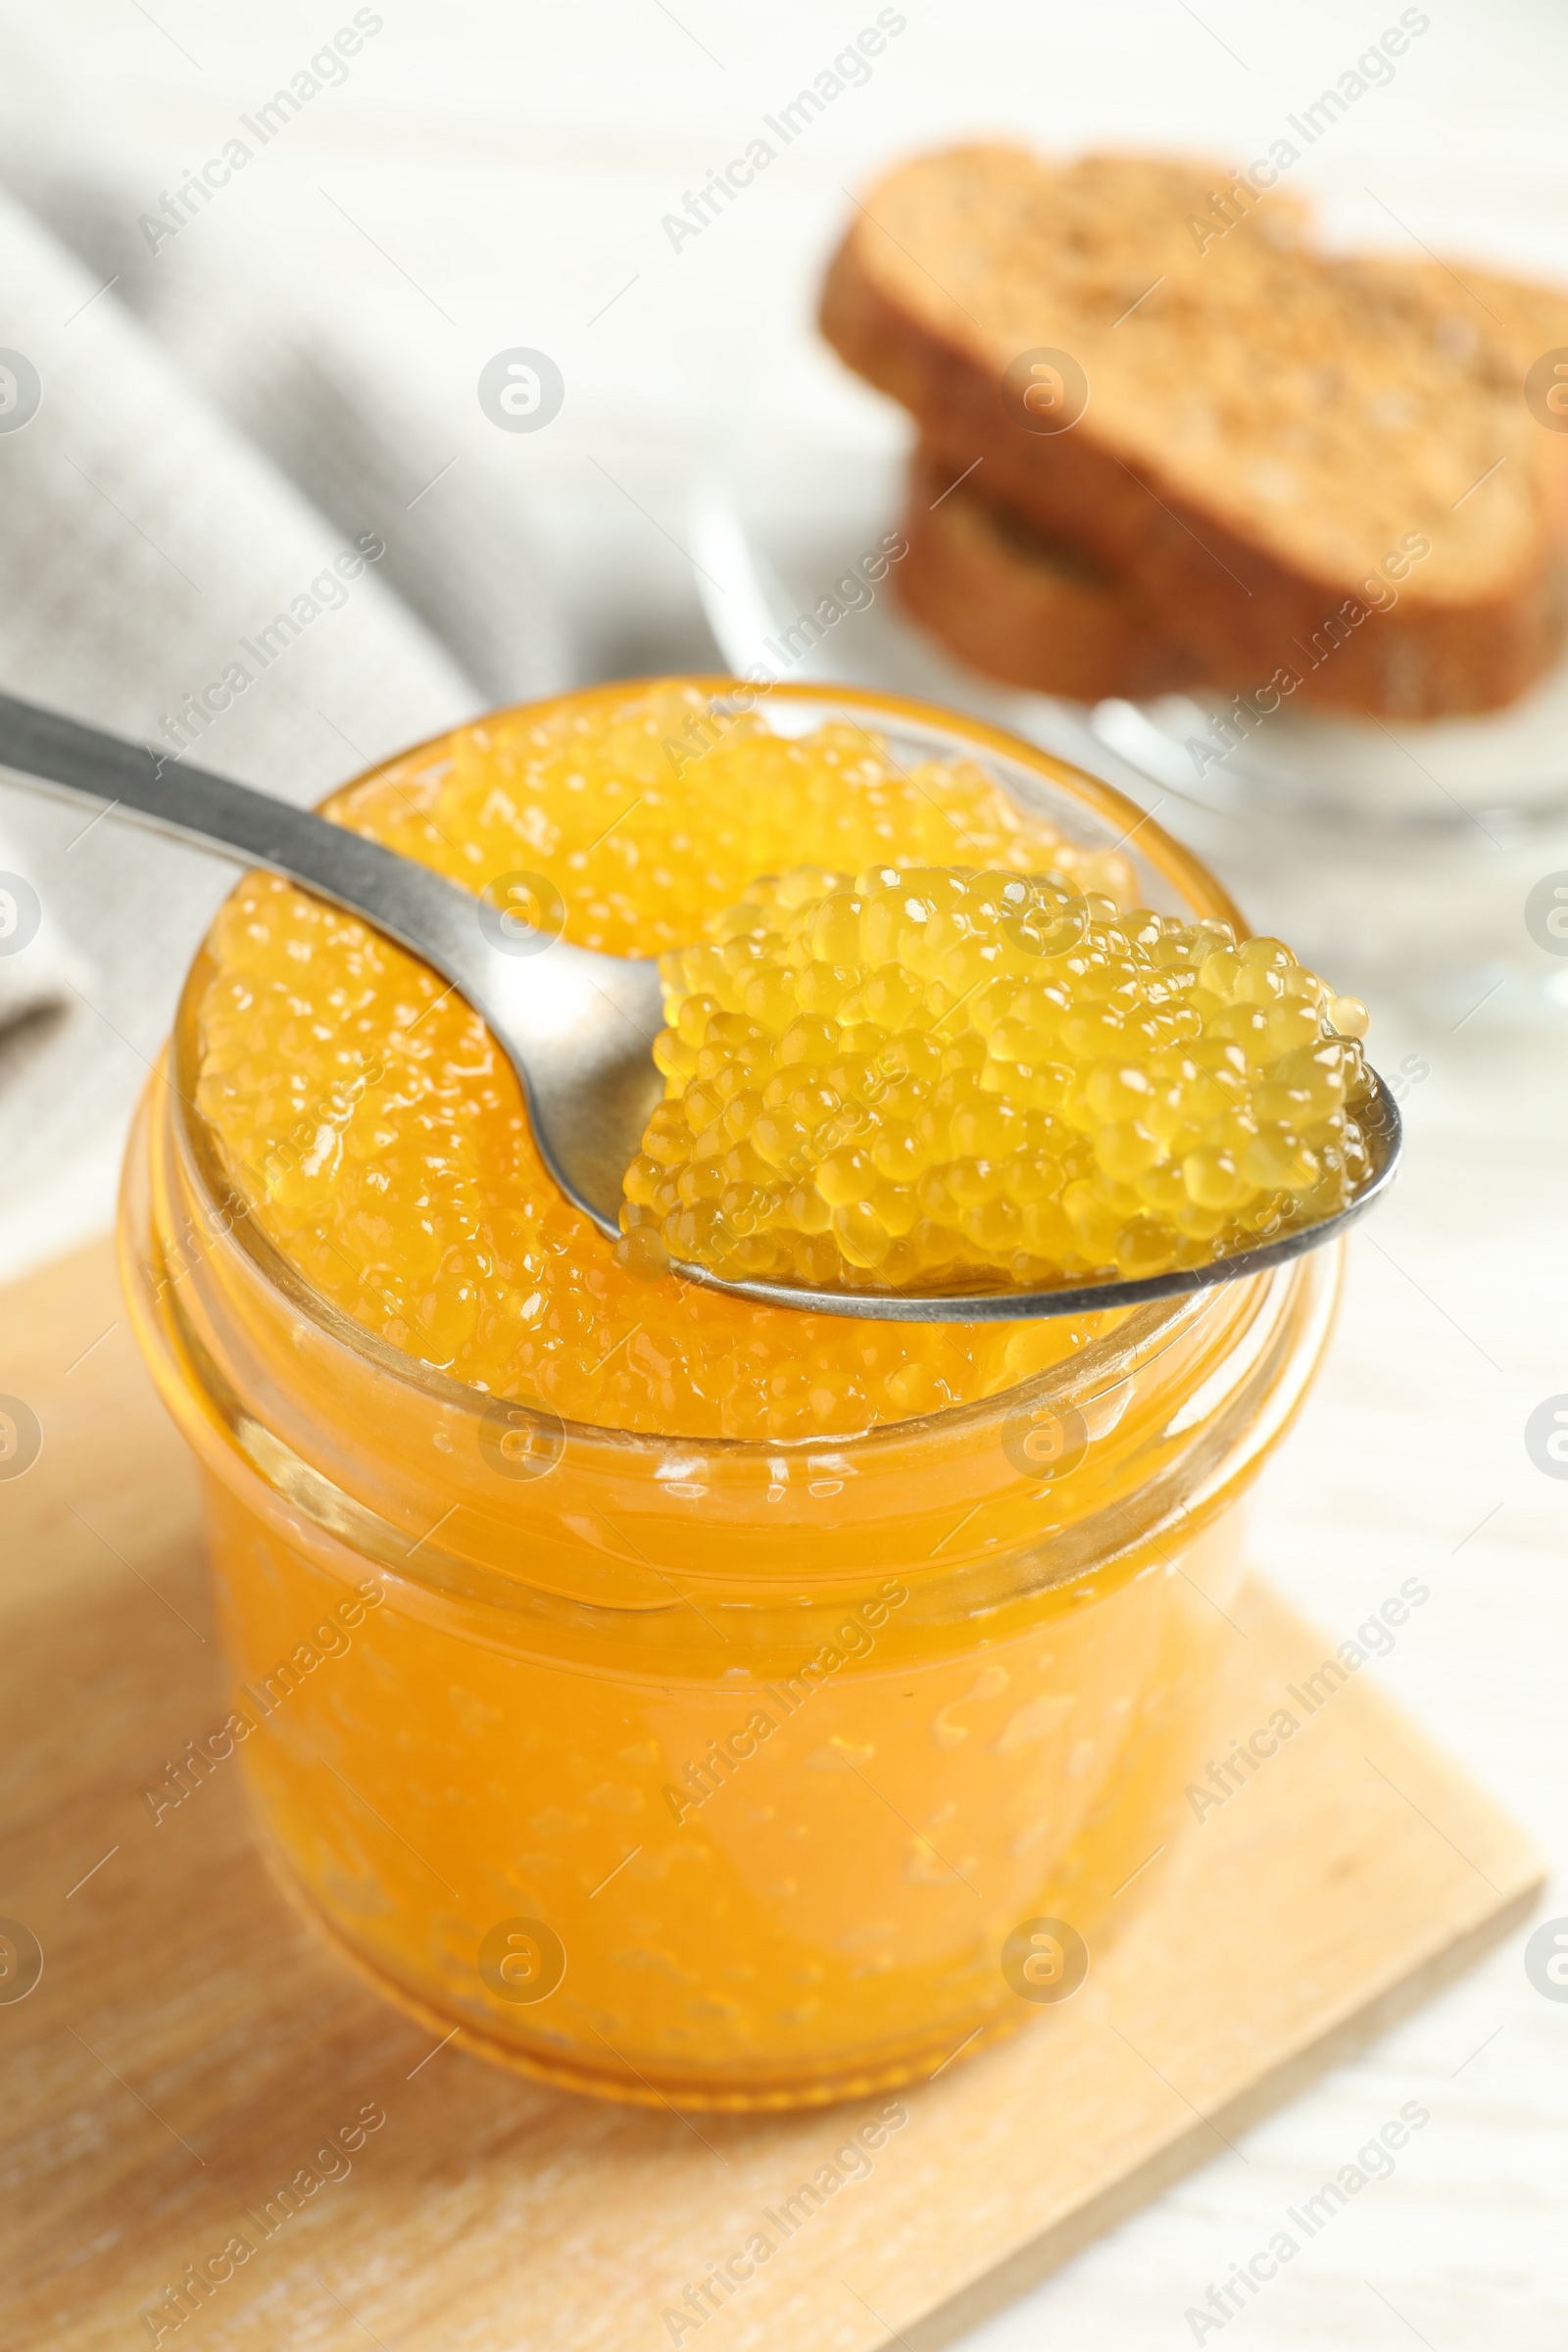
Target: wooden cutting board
(188, 2047)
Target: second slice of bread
(1020, 606)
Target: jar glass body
(709, 1771)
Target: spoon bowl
(578, 1026)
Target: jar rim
(1133, 1337)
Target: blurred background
(241, 381)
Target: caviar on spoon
(1190, 1160)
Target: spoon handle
(417, 907)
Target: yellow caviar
(925, 1073)
(377, 1134)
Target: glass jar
(720, 1773)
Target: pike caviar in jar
(682, 1700)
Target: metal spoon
(578, 1027)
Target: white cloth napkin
(40, 969)
(144, 544)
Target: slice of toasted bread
(1324, 468)
(1036, 612)
(1020, 605)
(1471, 304)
